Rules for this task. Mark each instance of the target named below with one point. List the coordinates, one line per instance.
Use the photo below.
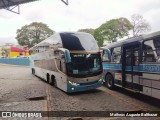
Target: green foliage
(98, 36)
(87, 30)
(112, 30)
(33, 33)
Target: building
(10, 50)
(18, 52)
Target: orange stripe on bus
(91, 51)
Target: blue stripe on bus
(128, 68)
(141, 67)
(112, 66)
(150, 68)
(136, 68)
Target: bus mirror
(67, 56)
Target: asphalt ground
(22, 91)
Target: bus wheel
(109, 81)
(33, 71)
(48, 78)
(54, 83)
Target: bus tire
(54, 83)
(48, 78)
(109, 81)
(33, 71)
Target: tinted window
(83, 65)
(116, 55)
(151, 50)
(128, 57)
(105, 56)
(135, 56)
(53, 42)
(78, 41)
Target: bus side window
(128, 57)
(136, 56)
(116, 55)
(60, 65)
(62, 62)
(105, 56)
(150, 53)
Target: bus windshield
(84, 65)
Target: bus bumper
(72, 88)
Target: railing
(15, 61)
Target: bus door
(130, 67)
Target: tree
(112, 30)
(98, 36)
(5, 52)
(87, 30)
(140, 25)
(33, 34)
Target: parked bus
(134, 64)
(69, 61)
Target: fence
(15, 61)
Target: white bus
(71, 61)
(134, 64)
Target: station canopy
(9, 3)
(13, 5)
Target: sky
(79, 14)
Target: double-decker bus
(71, 61)
(134, 64)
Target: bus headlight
(73, 83)
(101, 80)
(72, 88)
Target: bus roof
(134, 39)
(71, 40)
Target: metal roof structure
(13, 5)
(65, 1)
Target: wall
(15, 61)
